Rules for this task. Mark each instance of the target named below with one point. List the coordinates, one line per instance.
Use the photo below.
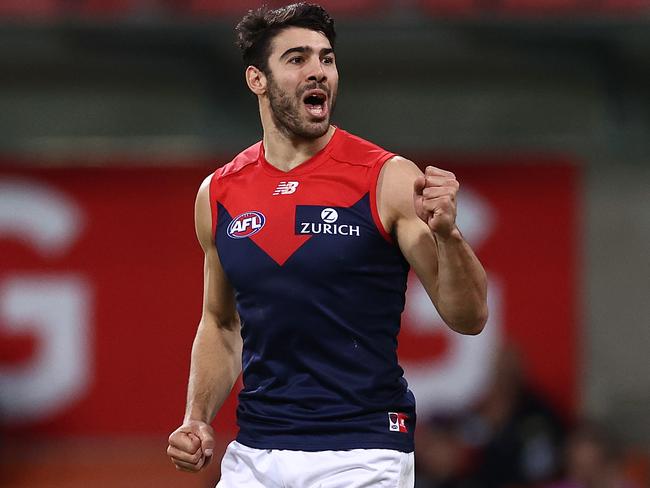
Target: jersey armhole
(374, 209)
(213, 204)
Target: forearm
(461, 295)
(215, 366)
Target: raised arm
(216, 353)
(420, 211)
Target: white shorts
(246, 467)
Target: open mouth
(316, 103)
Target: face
(302, 82)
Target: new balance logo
(286, 188)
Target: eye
(295, 60)
(328, 60)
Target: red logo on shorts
(397, 422)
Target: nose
(316, 71)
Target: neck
(287, 151)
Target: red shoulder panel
(243, 159)
(355, 150)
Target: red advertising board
(101, 284)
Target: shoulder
(395, 191)
(245, 158)
(203, 214)
(398, 175)
(356, 150)
(248, 158)
(204, 188)
(398, 168)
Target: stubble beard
(286, 114)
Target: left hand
(434, 197)
(191, 446)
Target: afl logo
(246, 224)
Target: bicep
(219, 306)
(413, 236)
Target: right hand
(191, 446)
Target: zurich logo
(329, 215)
(246, 224)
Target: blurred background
(113, 111)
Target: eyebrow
(306, 49)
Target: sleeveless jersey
(320, 290)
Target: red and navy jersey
(320, 290)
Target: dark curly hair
(258, 28)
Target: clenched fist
(191, 446)
(434, 197)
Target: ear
(256, 80)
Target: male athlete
(308, 237)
